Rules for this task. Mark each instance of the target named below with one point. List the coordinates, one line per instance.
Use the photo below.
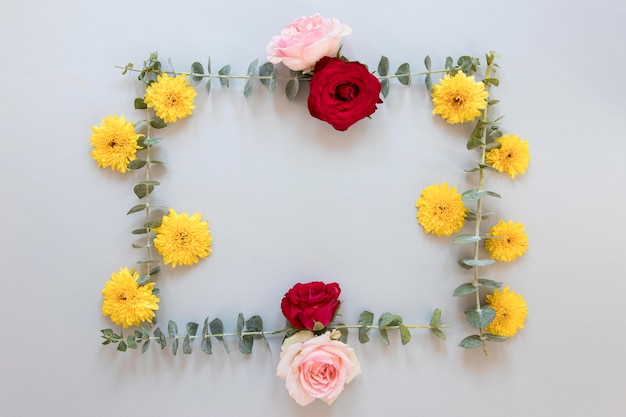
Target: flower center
(346, 92)
(183, 237)
(457, 100)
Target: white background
(290, 200)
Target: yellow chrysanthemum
(440, 210)
(114, 143)
(181, 239)
(511, 157)
(511, 312)
(126, 302)
(458, 98)
(510, 243)
(171, 97)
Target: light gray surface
(289, 199)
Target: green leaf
(492, 102)
(145, 346)
(405, 334)
(474, 142)
(247, 90)
(121, 346)
(142, 190)
(152, 141)
(155, 270)
(217, 329)
(136, 163)
(197, 68)
(157, 123)
(207, 86)
(153, 224)
(487, 283)
(106, 333)
(240, 323)
(434, 320)
(473, 341)
(255, 324)
(388, 319)
(493, 81)
(384, 336)
(427, 62)
(205, 345)
(172, 329)
(143, 279)
(403, 72)
(344, 333)
(252, 67)
(495, 338)
(480, 318)
(467, 63)
(245, 345)
(473, 263)
(365, 319)
(131, 341)
(437, 332)
(161, 337)
(225, 71)
(472, 195)
(187, 346)
(139, 231)
(466, 238)
(140, 104)
(464, 289)
(192, 328)
(449, 62)
(384, 87)
(273, 81)
(144, 331)
(291, 90)
(383, 66)
(174, 346)
(428, 81)
(135, 209)
(493, 194)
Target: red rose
(342, 93)
(304, 305)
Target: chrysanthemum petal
(511, 157)
(458, 98)
(510, 241)
(126, 302)
(170, 97)
(182, 239)
(441, 210)
(511, 311)
(114, 143)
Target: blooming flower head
(511, 157)
(171, 97)
(511, 312)
(181, 239)
(316, 366)
(440, 210)
(126, 302)
(114, 143)
(305, 41)
(458, 98)
(511, 241)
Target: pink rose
(305, 41)
(316, 366)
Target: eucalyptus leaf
(472, 195)
(474, 142)
(135, 209)
(155, 270)
(121, 346)
(434, 320)
(139, 231)
(384, 87)
(140, 104)
(174, 346)
(225, 71)
(192, 328)
(152, 141)
(144, 331)
(161, 337)
(145, 346)
(217, 329)
(405, 334)
(266, 70)
(403, 74)
(449, 62)
(142, 190)
(437, 332)
(247, 90)
(464, 289)
(495, 338)
(383, 66)
(255, 324)
(157, 123)
(153, 224)
(480, 318)
(428, 81)
(466, 238)
(427, 62)
(240, 323)
(384, 336)
(365, 319)
(136, 163)
(273, 81)
(197, 68)
(172, 329)
(492, 102)
(291, 90)
(207, 86)
(493, 81)
(131, 342)
(205, 345)
(245, 345)
(473, 341)
(344, 333)
(187, 346)
(252, 67)
(473, 263)
(487, 283)
(143, 279)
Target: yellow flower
(126, 302)
(510, 243)
(181, 239)
(458, 99)
(171, 98)
(440, 210)
(511, 312)
(114, 142)
(511, 157)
